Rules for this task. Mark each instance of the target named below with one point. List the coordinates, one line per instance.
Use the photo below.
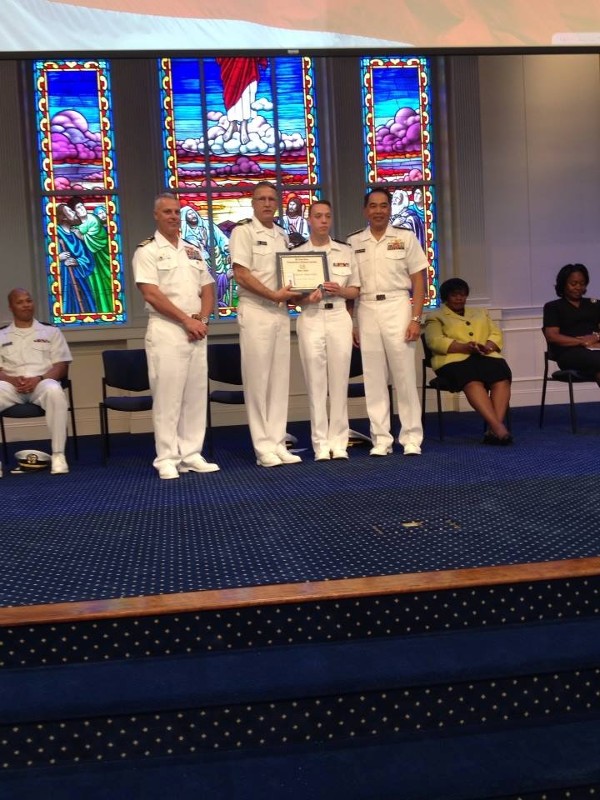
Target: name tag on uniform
(45, 341)
(262, 244)
(397, 244)
(364, 250)
(6, 344)
(342, 264)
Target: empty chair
(357, 389)
(126, 370)
(30, 410)
(224, 366)
(568, 376)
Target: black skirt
(579, 358)
(483, 369)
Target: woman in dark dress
(572, 323)
(466, 346)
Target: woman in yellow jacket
(466, 345)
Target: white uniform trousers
(177, 369)
(265, 350)
(325, 345)
(49, 395)
(382, 326)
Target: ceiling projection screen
(72, 27)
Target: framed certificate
(302, 272)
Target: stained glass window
(227, 124)
(80, 207)
(398, 142)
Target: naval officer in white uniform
(180, 297)
(324, 330)
(264, 326)
(34, 358)
(391, 266)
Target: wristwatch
(416, 319)
(205, 320)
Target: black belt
(328, 305)
(379, 297)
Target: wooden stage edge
(274, 594)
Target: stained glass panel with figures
(80, 208)
(398, 142)
(228, 123)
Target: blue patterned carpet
(119, 531)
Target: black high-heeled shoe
(490, 438)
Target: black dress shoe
(506, 440)
(490, 438)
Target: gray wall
(541, 172)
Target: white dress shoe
(339, 454)
(198, 463)
(412, 450)
(380, 450)
(322, 455)
(284, 455)
(167, 472)
(59, 464)
(269, 460)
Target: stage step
(298, 671)
(489, 712)
(503, 764)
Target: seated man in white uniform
(179, 294)
(324, 330)
(34, 358)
